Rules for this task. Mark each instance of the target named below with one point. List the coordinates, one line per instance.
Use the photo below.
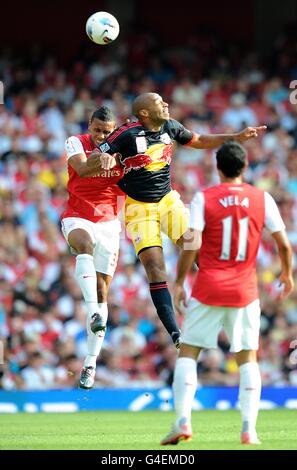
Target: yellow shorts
(145, 220)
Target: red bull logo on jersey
(136, 162)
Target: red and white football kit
(93, 205)
(231, 218)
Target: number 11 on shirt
(227, 223)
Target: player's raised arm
(86, 168)
(209, 141)
(80, 164)
(78, 160)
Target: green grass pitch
(107, 430)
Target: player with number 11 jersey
(231, 218)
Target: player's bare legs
(103, 283)
(249, 394)
(80, 241)
(184, 388)
(152, 259)
(94, 287)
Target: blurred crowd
(212, 87)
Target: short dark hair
(231, 159)
(104, 114)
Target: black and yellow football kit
(151, 205)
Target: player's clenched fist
(107, 161)
(101, 160)
(250, 133)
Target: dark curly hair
(231, 159)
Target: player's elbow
(191, 240)
(285, 248)
(202, 143)
(83, 171)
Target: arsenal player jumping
(91, 227)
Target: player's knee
(84, 247)
(155, 271)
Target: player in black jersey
(145, 150)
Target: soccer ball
(102, 28)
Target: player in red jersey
(91, 227)
(228, 219)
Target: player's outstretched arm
(211, 141)
(86, 167)
(285, 254)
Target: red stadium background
(61, 77)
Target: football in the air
(102, 28)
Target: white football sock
(87, 280)
(184, 387)
(95, 341)
(249, 395)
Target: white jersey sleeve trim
(273, 220)
(197, 221)
(73, 146)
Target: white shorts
(203, 323)
(105, 237)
